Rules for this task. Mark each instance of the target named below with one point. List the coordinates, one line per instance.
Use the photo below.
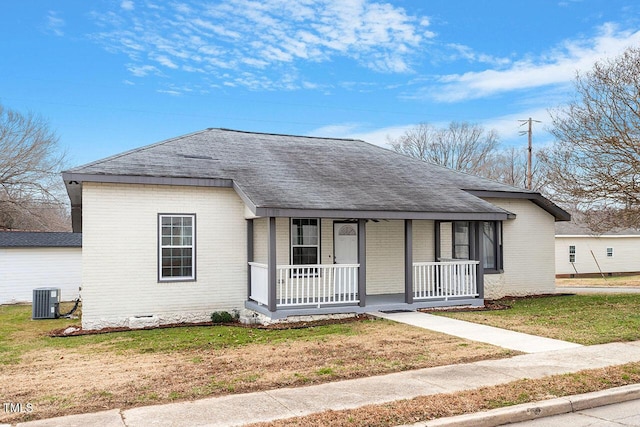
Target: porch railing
(448, 279)
(259, 283)
(304, 285)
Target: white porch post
(271, 263)
(408, 261)
(362, 261)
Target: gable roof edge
(558, 213)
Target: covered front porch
(373, 265)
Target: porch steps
(473, 331)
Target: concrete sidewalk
(240, 409)
(473, 331)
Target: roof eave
(537, 198)
(379, 214)
(146, 179)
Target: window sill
(178, 280)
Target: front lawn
(61, 376)
(583, 319)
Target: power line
(530, 134)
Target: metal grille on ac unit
(45, 303)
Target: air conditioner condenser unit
(46, 302)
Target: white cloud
(170, 92)
(127, 5)
(460, 51)
(557, 67)
(55, 24)
(256, 36)
(141, 70)
(164, 60)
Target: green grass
(19, 334)
(583, 319)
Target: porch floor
(384, 302)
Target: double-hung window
(491, 241)
(609, 252)
(177, 243)
(305, 242)
(572, 254)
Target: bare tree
(595, 160)
(31, 191)
(416, 142)
(510, 167)
(462, 146)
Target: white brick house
(290, 225)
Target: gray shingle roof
(27, 239)
(305, 173)
(576, 229)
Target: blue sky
(114, 75)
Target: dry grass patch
(613, 281)
(83, 374)
(427, 408)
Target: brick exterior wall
(120, 254)
(529, 252)
(385, 249)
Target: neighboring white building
(581, 251)
(30, 260)
(285, 226)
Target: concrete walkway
(473, 331)
(240, 409)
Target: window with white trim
(176, 257)
(609, 252)
(305, 241)
(572, 254)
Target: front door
(345, 241)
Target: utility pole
(529, 161)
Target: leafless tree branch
(595, 160)
(31, 191)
